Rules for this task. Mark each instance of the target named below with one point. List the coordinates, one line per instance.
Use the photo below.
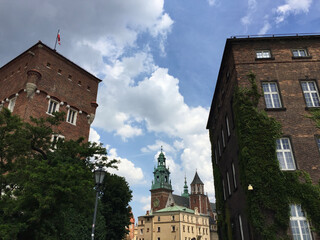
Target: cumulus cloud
(126, 168)
(94, 136)
(292, 7)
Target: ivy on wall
(273, 190)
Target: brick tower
(197, 197)
(41, 81)
(161, 185)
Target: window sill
(71, 123)
(306, 57)
(275, 109)
(312, 108)
(262, 59)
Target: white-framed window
(228, 127)
(284, 154)
(263, 54)
(299, 224)
(53, 106)
(12, 103)
(318, 142)
(299, 52)
(228, 183)
(215, 155)
(55, 138)
(222, 137)
(310, 93)
(224, 190)
(271, 95)
(241, 227)
(234, 175)
(72, 116)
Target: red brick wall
(54, 76)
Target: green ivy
(273, 190)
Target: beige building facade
(174, 222)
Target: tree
(47, 187)
(115, 208)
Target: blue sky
(159, 62)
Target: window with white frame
(224, 191)
(241, 227)
(228, 127)
(299, 52)
(234, 175)
(228, 183)
(299, 224)
(215, 155)
(222, 137)
(284, 154)
(53, 106)
(310, 93)
(263, 54)
(271, 95)
(55, 138)
(12, 103)
(318, 142)
(72, 116)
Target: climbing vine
(273, 190)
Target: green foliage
(273, 190)
(47, 187)
(115, 206)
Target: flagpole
(55, 45)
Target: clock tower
(161, 184)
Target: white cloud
(146, 203)
(252, 7)
(211, 2)
(94, 136)
(126, 168)
(265, 28)
(292, 7)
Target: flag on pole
(58, 37)
(57, 40)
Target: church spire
(161, 174)
(185, 187)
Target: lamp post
(98, 176)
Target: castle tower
(197, 197)
(161, 185)
(40, 81)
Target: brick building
(287, 75)
(41, 81)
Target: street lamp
(98, 176)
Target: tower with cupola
(161, 185)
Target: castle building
(286, 71)
(40, 81)
(182, 217)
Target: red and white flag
(58, 37)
